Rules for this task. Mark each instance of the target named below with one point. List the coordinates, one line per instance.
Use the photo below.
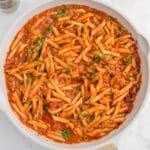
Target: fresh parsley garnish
(129, 60)
(29, 102)
(46, 32)
(97, 59)
(91, 118)
(121, 30)
(69, 70)
(92, 70)
(61, 13)
(127, 77)
(85, 113)
(66, 133)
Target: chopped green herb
(69, 70)
(97, 59)
(127, 77)
(121, 30)
(46, 32)
(85, 113)
(36, 51)
(39, 42)
(66, 133)
(37, 62)
(29, 102)
(91, 70)
(26, 81)
(61, 13)
(96, 78)
(90, 118)
(111, 90)
(28, 50)
(129, 60)
(33, 59)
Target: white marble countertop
(135, 138)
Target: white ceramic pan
(142, 96)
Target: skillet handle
(145, 43)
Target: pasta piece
(99, 96)
(98, 28)
(38, 84)
(38, 22)
(18, 111)
(85, 17)
(93, 123)
(57, 88)
(120, 98)
(76, 98)
(78, 131)
(61, 37)
(53, 44)
(63, 19)
(60, 119)
(124, 90)
(18, 101)
(93, 91)
(34, 105)
(58, 110)
(83, 55)
(38, 124)
(55, 137)
(60, 62)
(73, 48)
(26, 94)
(108, 52)
(55, 31)
(66, 99)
